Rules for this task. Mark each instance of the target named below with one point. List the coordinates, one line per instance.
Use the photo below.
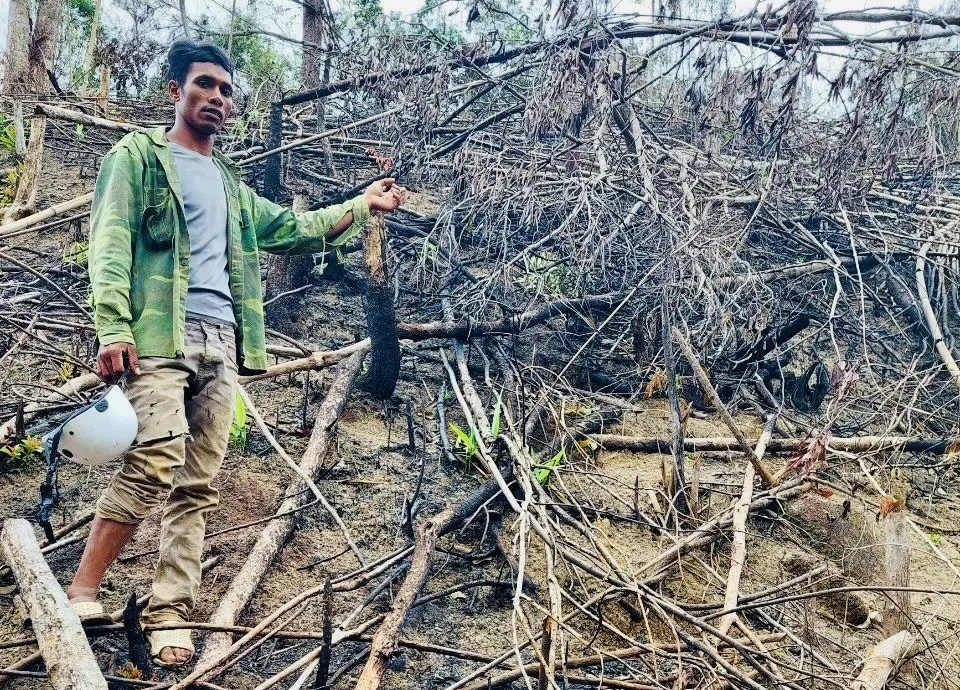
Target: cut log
(63, 644)
(883, 661)
(8, 229)
(278, 531)
(115, 616)
(381, 379)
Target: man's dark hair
(185, 52)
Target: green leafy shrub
(20, 456)
(238, 428)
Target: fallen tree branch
(299, 471)
(316, 360)
(66, 653)
(58, 113)
(385, 640)
(711, 530)
(221, 661)
(854, 444)
(64, 392)
(319, 136)
(932, 324)
(466, 328)
(461, 330)
(710, 391)
(599, 660)
(738, 550)
(63, 293)
(276, 534)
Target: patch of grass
(542, 474)
(8, 137)
(467, 446)
(77, 255)
(238, 428)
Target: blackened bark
(381, 379)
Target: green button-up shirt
(139, 249)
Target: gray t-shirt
(205, 207)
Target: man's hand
(110, 361)
(384, 195)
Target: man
(175, 279)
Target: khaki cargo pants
(184, 409)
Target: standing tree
(316, 28)
(17, 68)
(285, 273)
(40, 48)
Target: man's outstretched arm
(281, 230)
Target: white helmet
(100, 432)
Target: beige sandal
(91, 613)
(178, 639)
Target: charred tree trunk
(284, 272)
(381, 379)
(272, 182)
(314, 19)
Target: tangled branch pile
(755, 215)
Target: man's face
(205, 100)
